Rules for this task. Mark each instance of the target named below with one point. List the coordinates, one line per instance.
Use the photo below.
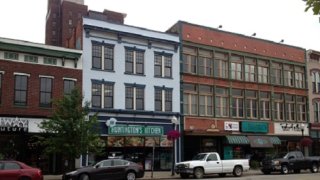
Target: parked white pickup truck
(211, 163)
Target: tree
(69, 132)
(314, 4)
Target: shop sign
(136, 130)
(315, 126)
(9, 124)
(290, 128)
(255, 127)
(231, 126)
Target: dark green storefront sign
(136, 130)
(255, 127)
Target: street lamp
(302, 130)
(174, 122)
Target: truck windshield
(199, 157)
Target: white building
(131, 77)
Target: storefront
(141, 140)
(315, 135)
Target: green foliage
(314, 5)
(69, 132)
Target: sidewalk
(156, 175)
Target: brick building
(64, 15)
(31, 75)
(241, 96)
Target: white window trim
(21, 74)
(44, 76)
(70, 79)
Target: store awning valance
(237, 140)
(275, 140)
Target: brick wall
(7, 108)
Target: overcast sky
(270, 19)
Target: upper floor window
(29, 58)
(45, 91)
(263, 71)
(68, 86)
(0, 86)
(316, 111)
(221, 102)
(102, 94)
(102, 56)
(163, 65)
(221, 68)
(250, 70)
(288, 75)
(276, 73)
(20, 90)
(236, 67)
(251, 104)
(264, 105)
(290, 107)
(190, 99)
(299, 77)
(301, 108)
(205, 63)
(205, 100)
(278, 107)
(11, 55)
(189, 60)
(134, 61)
(163, 99)
(134, 97)
(315, 82)
(237, 103)
(50, 60)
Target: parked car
(15, 170)
(211, 163)
(107, 169)
(291, 161)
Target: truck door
(214, 164)
(300, 162)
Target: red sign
(315, 126)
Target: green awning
(275, 140)
(237, 140)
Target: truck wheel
(222, 174)
(184, 175)
(198, 173)
(314, 168)
(284, 169)
(237, 171)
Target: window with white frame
(236, 67)
(102, 56)
(30, 58)
(11, 55)
(301, 108)
(68, 86)
(237, 103)
(315, 81)
(163, 99)
(162, 65)
(50, 60)
(251, 104)
(190, 99)
(189, 60)
(264, 105)
(221, 102)
(102, 94)
(278, 107)
(290, 107)
(46, 84)
(134, 59)
(250, 70)
(288, 75)
(134, 96)
(299, 77)
(1, 86)
(205, 63)
(316, 111)
(205, 100)
(263, 71)
(20, 90)
(221, 67)
(276, 75)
